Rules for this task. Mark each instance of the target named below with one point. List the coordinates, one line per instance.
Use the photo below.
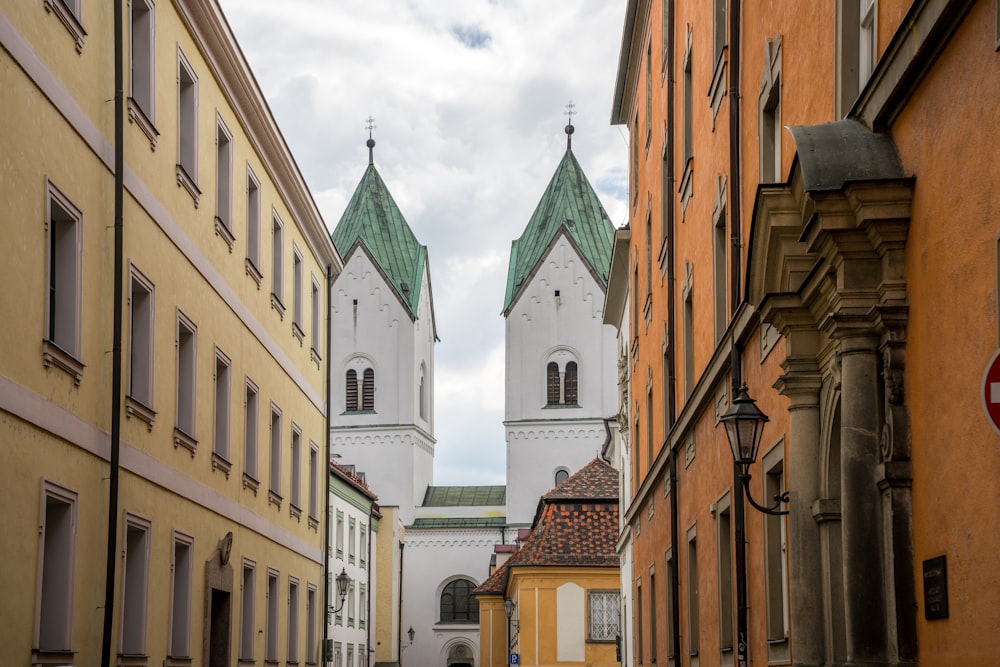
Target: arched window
(368, 391)
(351, 405)
(552, 383)
(423, 391)
(561, 476)
(569, 392)
(458, 604)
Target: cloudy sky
(469, 100)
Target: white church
(561, 393)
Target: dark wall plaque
(935, 588)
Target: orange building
(555, 599)
(812, 215)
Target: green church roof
(373, 219)
(569, 203)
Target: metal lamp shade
(343, 583)
(744, 424)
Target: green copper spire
(373, 220)
(570, 204)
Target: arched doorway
(460, 655)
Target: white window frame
(867, 40)
(222, 375)
(253, 227)
(142, 67)
(277, 263)
(251, 438)
(720, 246)
(274, 473)
(187, 364)
(313, 485)
(70, 15)
(339, 536)
(315, 305)
(297, 293)
(362, 545)
(181, 587)
(724, 557)
(293, 619)
(271, 627)
(63, 300)
(247, 610)
(362, 605)
(775, 557)
(223, 181)
(352, 536)
(187, 127)
(134, 587)
(769, 114)
(693, 607)
(142, 328)
(295, 474)
(311, 638)
(55, 603)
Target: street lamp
(343, 583)
(508, 607)
(744, 424)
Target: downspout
(735, 180)
(116, 352)
(326, 470)
(399, 609)
(675, 579)
(668, 207)
(368, 598)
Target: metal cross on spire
(570, 110)
(371, 142)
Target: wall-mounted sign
(935, 588)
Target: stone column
(861, 502)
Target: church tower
(560, 356)
(383, 330)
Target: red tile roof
(576, 526)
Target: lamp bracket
(779, 500)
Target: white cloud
(468, 98)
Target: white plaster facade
(557, 316)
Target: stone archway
(461, 655)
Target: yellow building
(556, 599)
(174, 517)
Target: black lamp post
(508, 606)
(744, 424)
(343, 583)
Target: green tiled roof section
(458, 522)
(464, 496)
(569, 201)
(373, 217)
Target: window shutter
(571, 383)
(352, 391)
(368, 390)
(552, 383)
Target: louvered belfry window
(570, 384)
(552, 383)
(368, 390)
(352, 391)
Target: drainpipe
(116, 353)
(399, 611)
(735, 180)
(668, 207)
(326, 469)
(675, 580)
(368, 598)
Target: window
(458, 605)
(135, 575)
(338, 655)
(653, 634)
(56, 568)
(187, 350)
(351, 392)
(293, 619)
(297, 287)
(187, 127)
(719, 273)
(368, 390)
(351, 540)
(649, 259)
(311, 624)
(296, 499)
(561, 388)
(688, 111)
(180, 600)
(692, 593)
(141, 103)
(247, 633)
(274, 483)
(867, 40)
(650, 447)
(847, 79)
(350, 609)
(313, 484)
(141, 348)
(250, 436)
(220, 446)
(271, 635)
(68, 12)
(561, 476)
(671, 609)
(665, 382)
(724, 551)
(223, 182)
(277, 264)
(602, 610)
(314, 319)
(423, 391)
(638, 627)
(253, 227)
(649, 91)
(362, 605)
(362, 544)
(339, 537)
(718, 29)
(634, 145)
(775, 558)
(64, 230)
(688, 331)
(769, 104)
